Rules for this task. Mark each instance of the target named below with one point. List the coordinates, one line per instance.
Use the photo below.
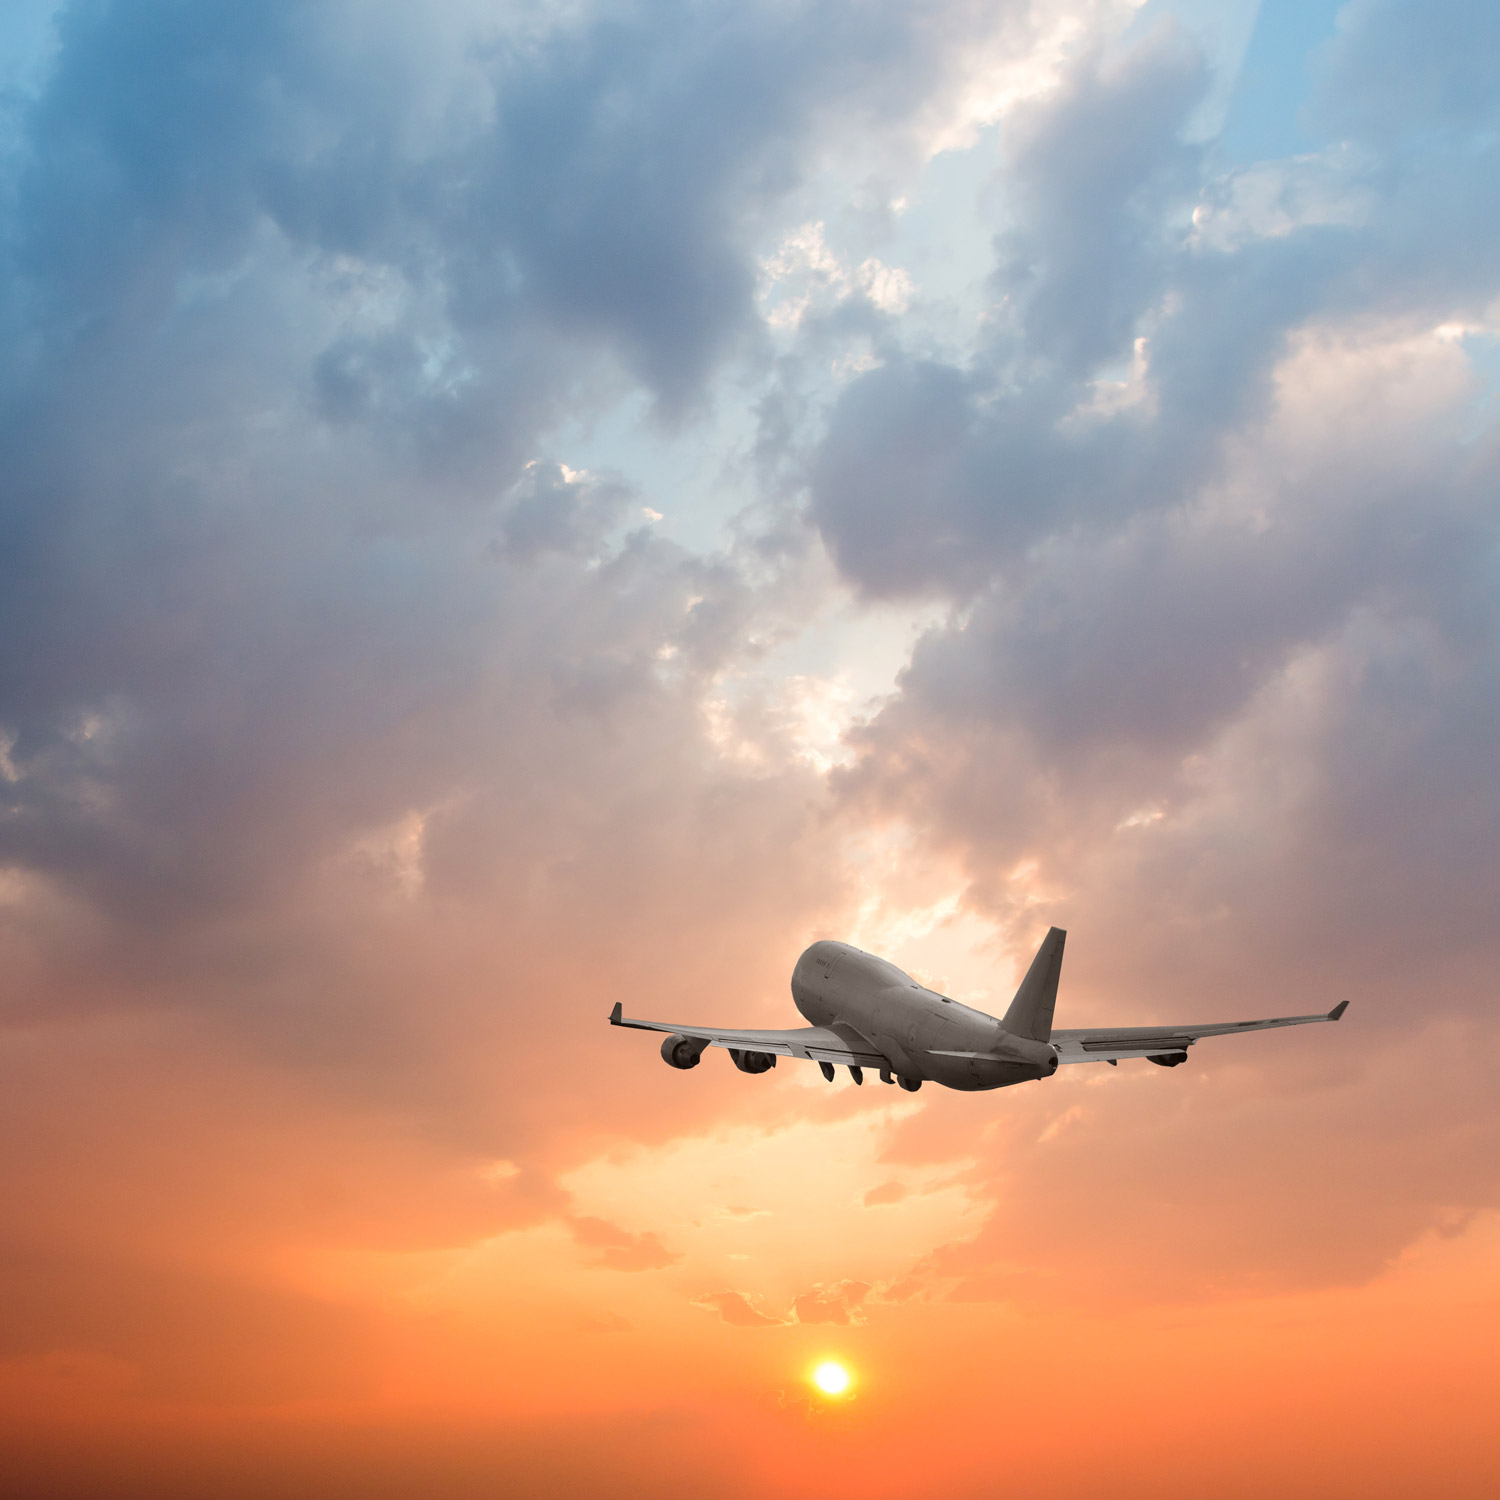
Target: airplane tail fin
(1030, 1013)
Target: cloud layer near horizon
(458, 477)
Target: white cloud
(803, 276)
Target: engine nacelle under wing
(752, 1062)
(680, 1051)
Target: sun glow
(831, 1378)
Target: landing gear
(911, 1085)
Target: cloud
(736, 1309)
(1214, 517)
(360, 746)
(619, 1250)
(839, 1304)
(288, 326)
(1143, 582)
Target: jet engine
(680, 1051)
(752, 1062)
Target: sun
(831, 1378)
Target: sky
(508, 508)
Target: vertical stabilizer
(1030, 1013)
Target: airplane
(867, 1013)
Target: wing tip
(615, 1014)
(1338, 1010)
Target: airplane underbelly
(1001, 1075)
(935, 1035)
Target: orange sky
(1131, 1280)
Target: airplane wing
(1164, 1044)
(844, 1046)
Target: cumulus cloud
(1173, 563)
(1215, 516)
(277, 307)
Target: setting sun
(831, 1378)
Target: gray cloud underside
(293, 296)
(1221, 691)
(1286, 493)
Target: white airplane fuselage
(847, 990)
